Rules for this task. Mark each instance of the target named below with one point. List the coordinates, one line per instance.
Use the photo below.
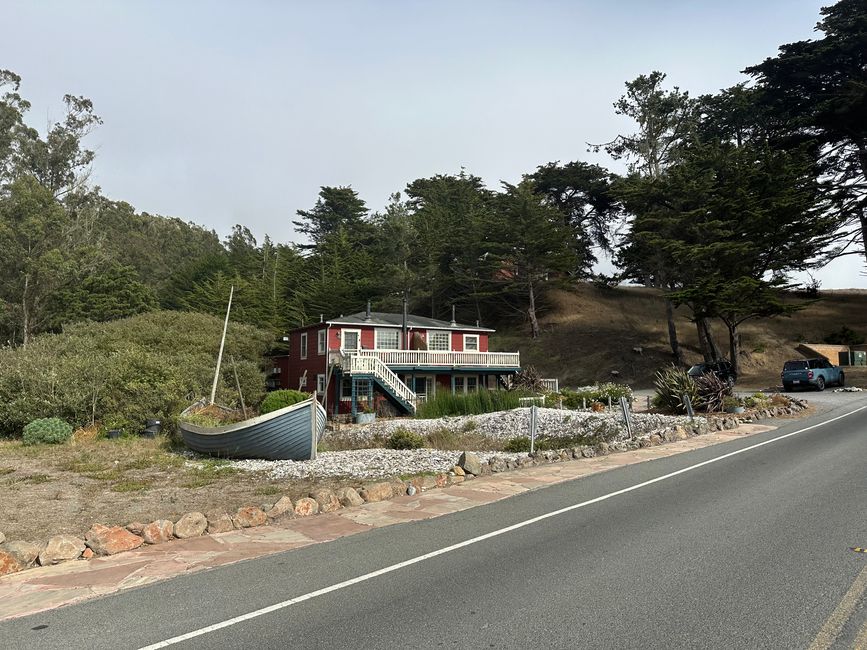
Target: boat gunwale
(245, 424)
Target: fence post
(688, 404)
(533, 410)
(627, 415)
(583, 403)
(609, 402)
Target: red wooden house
(358, 360)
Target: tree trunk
(672, 332)
(734, 347)
(531, 312)
(25, 312)
(709, 348)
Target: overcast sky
(237, 112)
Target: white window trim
(302, 346)
(320, 384)
(478, 342)
(376, 338)
(343, 337)
(322, 341)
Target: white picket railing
(445, 359)
(355, 363)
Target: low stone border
(103, 540)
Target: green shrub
(576, 399)
(844, 336)
(671, 384)
(148, 366)
(482, 401)
(279, 399)
(404, 439)
(518, 445)
(49, 431)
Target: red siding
(314, 364)
(458, 341)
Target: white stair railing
(354, 363)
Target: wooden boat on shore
(290, 433)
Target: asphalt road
(750, 551)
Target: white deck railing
(354, 363)
(444, 359)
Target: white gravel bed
(362, 463)
(502, 425)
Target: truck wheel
(787, 388)
(820, 383)
(842, 381)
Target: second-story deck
(436, 360)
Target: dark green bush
(518, 445)
(279, 399)
(404, 439)
(49, 431)
(844, 336)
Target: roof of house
(383, 319)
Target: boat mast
(222, 343)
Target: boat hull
(291, 433)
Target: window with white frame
(303, 343)
(350, 340)
(387, 339)
(320, 383)
(438, 341)
(471, 342)
(321, 341)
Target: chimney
(454, 322)
(367, 317)
(321, 318)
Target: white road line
(474, 540)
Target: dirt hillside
(590, 332)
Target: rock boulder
(192, 524)
(158, 532)
(105, 540)
(61, 548)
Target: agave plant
(672, 384)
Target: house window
(438, 341)
(350, 340)
(468, 384)
(320, 383)
(321, 340)
(471, 342)
(303, 341)
(387, 340)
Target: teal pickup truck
(816, 373)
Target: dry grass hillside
(590, 332)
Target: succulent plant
(47, 431)
(671, 385)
